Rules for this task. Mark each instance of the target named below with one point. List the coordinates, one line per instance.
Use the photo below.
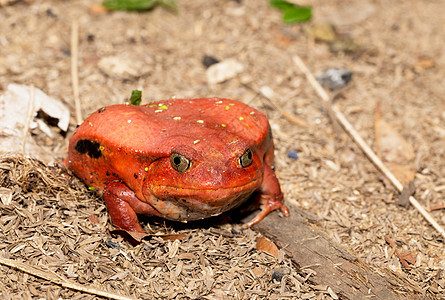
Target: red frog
(179, 159)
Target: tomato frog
(179, 159)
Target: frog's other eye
(246, 159)
(179, 162)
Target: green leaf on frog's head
(136, 97)
(297, 14)
(139, 5)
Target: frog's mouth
(186, 204)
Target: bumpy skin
(124, 151)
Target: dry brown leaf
(258, 271)
(397, 154)
(404, 173)
(404, 256)
(323, 32)
(172, 236)
(392, 146)
(264, 244)
(136, 236)
(408, 256)
(93, 219)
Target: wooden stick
(74, 69)
(54, 278)
(350, 130)
(29, 117)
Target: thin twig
(74, 68)
(362, 144)
(54, 278)
(437, 206)
(28, 118)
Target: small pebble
(278, 274)
(223, 71)
(292, 154)
(334, 78)
(112, 244)
(208, 60)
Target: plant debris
(292, 13)
(394, 150)
(405, 256)
(136, 97)
(139, 5)
(61, 252)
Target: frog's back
(151, 129)
(136, 135)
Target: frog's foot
(267, 205)
(270, 197)
(123, 206)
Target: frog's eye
(246, 159)
(179, 162)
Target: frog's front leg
(123, 206)
(270, 197)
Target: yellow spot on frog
(146, 169)
(200, 121)
(91, 188)
(223, 125)
(227, 108)
(196, 142)
(241, 118)
(231, 104)
(160, 107)
(177, 118)
(101, 148)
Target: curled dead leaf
(264, 244)
(404, 256)
(131, 235)
(408, 256)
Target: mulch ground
(53, 225)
